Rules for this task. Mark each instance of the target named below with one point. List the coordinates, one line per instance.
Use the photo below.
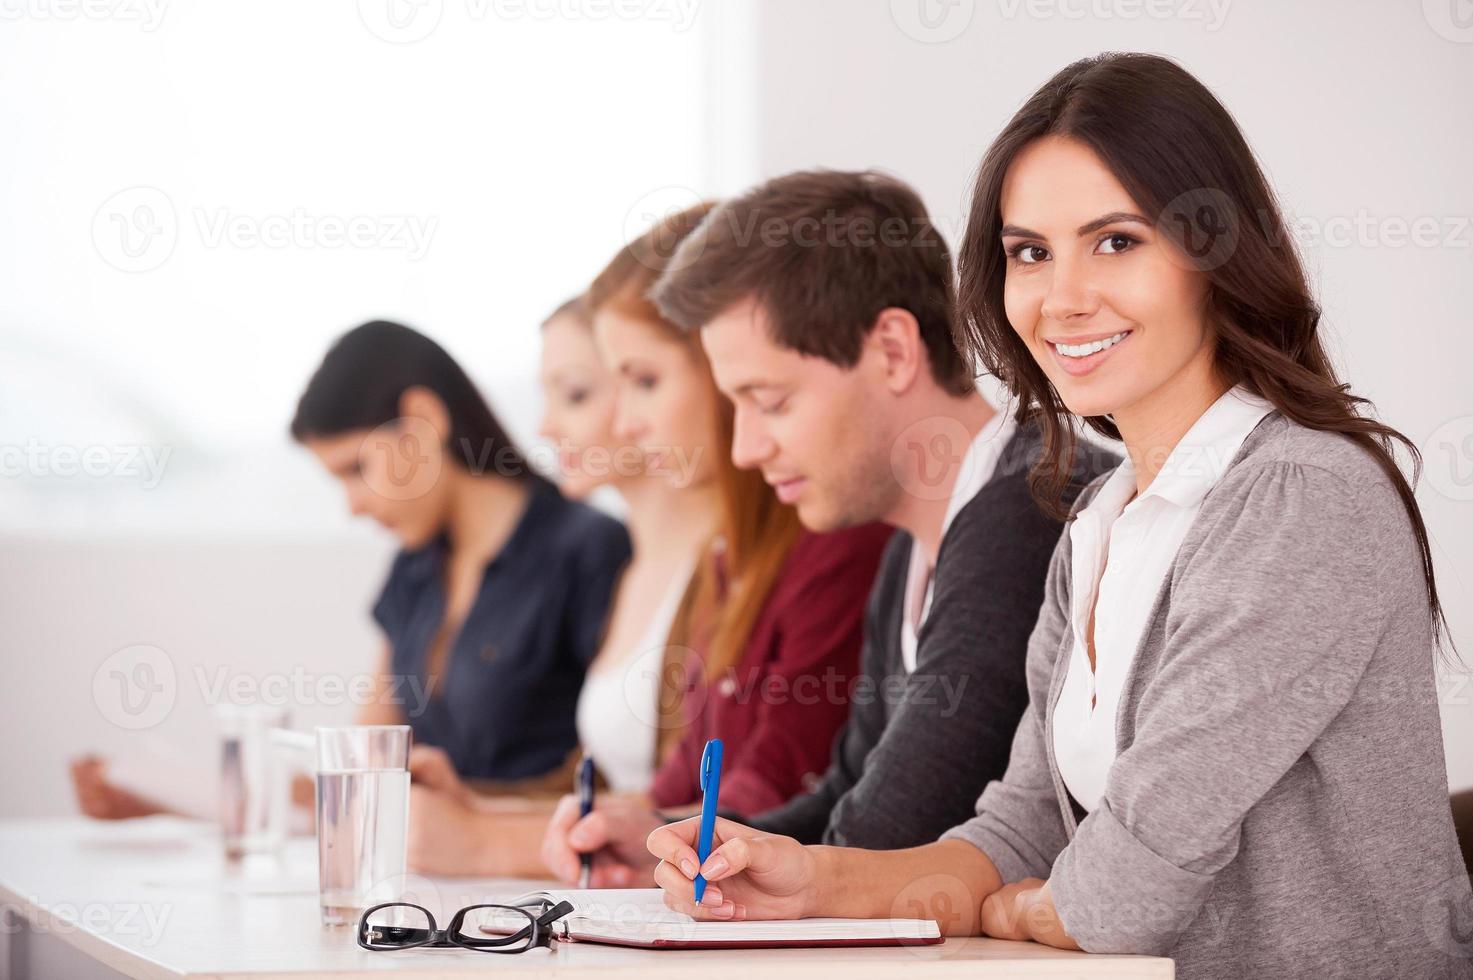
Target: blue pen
(585, 807)
(710, 790)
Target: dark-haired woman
(1232, 754)
(496, 602)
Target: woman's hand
(615, 833)
(103, 799)
(1024, 910)
(444, 834)
(430, 766)
(749, 874)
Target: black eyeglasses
(403, 925)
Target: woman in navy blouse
(495, 603)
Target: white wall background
(198, 197)
(532, 144)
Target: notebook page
(639, 915)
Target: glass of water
(253, 788)
(362, 817)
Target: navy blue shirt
(505, 703)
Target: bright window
(199, 196)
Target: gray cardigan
(1278, 806)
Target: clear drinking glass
(362, 816)
(254, 792)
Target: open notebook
(639, 917)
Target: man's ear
(419, 402)
(895, 343)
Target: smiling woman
(1209, 767)
(1093, 287)
(1224, 268)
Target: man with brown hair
(824, 300)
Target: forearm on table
(500, 805)
(507, 844)
(946, 881)
(1044, 924)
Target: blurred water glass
(255, 790)
(362, 816)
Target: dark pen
(585, 807)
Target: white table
(155, 898)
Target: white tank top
(618, 708)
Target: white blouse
(1123, 549)
(618, 708)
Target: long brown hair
(1180, 156)
(729, 588)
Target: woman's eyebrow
(1109, 219)
(1016, 231)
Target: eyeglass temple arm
(543, 921)
(553, 914)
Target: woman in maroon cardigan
(764, 645)
(778, 709)
(768, 637)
